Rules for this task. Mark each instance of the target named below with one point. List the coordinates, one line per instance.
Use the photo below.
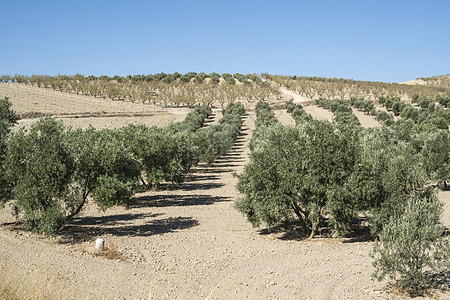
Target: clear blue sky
(378, 40)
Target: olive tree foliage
(337, 170)
(387, 170)
(412, 243)
(52, 170)
(299, 172)
(264, 117)
(161, 153)
(102, 168)
(39, 169)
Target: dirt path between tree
(284, 117)
(188, 242)
(296, 98)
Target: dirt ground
(80, 111)
(188, 242)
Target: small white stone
(99, 244)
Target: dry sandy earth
(80, 111)
(188, 242)
(296, 98)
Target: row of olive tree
(339, 88)
(428, 130)
(49, 171)
(293, 174)
(216, 140)
(342, 111)
(139, 89)
(327, 175)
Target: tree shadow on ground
(175, 200)
(440, 280)
(291, 231)
(81, 230)
(213, 170)
(112, 219)
(191, 186)
(230, 156)
(358, 234)
(228, 160)
(209, 119)
(200, 176)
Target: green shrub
(435, 150)
(388, 169)
(215, 77)
(264, 115)
(7, 120)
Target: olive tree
(39, 169)
(387, 170)
(296, 172)
(51, 171)
(436, 155)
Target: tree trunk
(73, 214)
(315, 227)
(301, 214)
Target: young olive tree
(412, 243)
